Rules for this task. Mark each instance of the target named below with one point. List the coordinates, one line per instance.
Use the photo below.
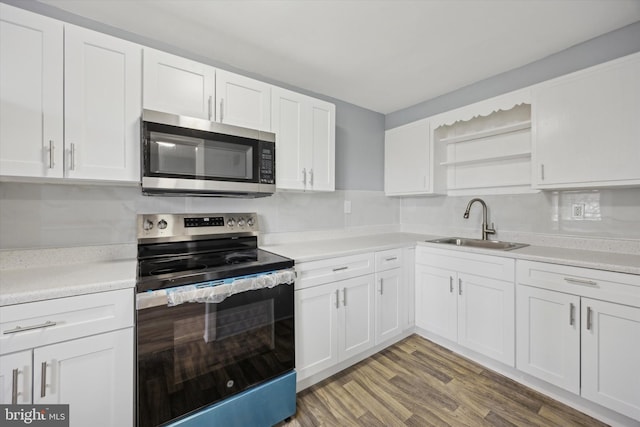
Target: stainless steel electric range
(215, 323)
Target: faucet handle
(491, 230)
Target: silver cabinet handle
(459, 286)
(14, 388)
(311, 177)
(393, 258)
(72, 150)
(572, 310)
(43, 380)
(304, 176)
(589, 318)
(337, 298)
(542, 172)
(340, 268)
(581, 281)
(210, 107)
(381, 286)
(451, 284)
(344, 297)
(52, 147)
(17, 329)
(221, 110)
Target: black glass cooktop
(173, 264)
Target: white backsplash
(65, 215)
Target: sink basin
(478, 243)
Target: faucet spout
(485, 229)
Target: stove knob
(231, 222)
(250, 221)
(240, 222)
(148, 225)
(162, 224)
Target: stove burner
(177, 266)
(240, 257)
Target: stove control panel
(172, 226)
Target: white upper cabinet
(242, 101)
(305, 141)
(31, 85)
(586, 127)
(102, 106)
(410, 166)
(178, 85)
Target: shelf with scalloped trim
(522, 155)
(512, 127)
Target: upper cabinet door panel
(103, 79)
(407, 158)
(177, 85)
(586, 127)
(323, 128)
(31, 49)
(242, 101)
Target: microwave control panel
(267, 164)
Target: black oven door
(194, 354)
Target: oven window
(177, 155)
(195, 354)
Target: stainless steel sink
(478, 243)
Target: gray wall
(615, 44)
(359, 132)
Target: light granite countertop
(24, 279)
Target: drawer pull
(572, 311)
(581, 281)
(43, 380)
(589, 318)
(451, 284)
(391, 259)
(17, 329)
(14, 388)
(340, 269)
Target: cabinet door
(356, 315)
(436, 303)
(177, 85)
(15, 378)
(610, 355)
(548, 336)
(316, 329)
(586, 128)
(31, 49)
(407, 158)
(323, 141)
(242, 101)
(486, 317)
(94, 375)
(103, 79)
(290, 121)
(389, 285)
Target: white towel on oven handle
(215, 293)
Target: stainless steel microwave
(190, 156)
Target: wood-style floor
(418, 383)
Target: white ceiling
(383, 55)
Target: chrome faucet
(485, 230)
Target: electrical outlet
(347, 206)
(577, 211)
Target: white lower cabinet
(333, 322)
(388, 304)
(470, 301)
(570, 336)
(77, 351)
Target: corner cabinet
(31, 85)
(469, 299)
(101, 76)
(579, 329)
(77, 351)
(411, 162)
(305, 141)
(586, 127)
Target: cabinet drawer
(52, 321)
(603, 285)
(494, 267)
(386, 260)
(329, 270)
